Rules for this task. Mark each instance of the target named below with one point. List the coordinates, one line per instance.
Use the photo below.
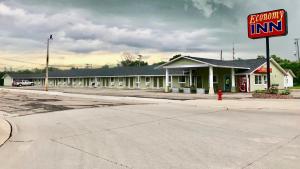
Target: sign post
(265, 25)
(268, 63)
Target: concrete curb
(5, 131)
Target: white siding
(288, 80)
(8, 81)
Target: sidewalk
(154, 94)
(5, 131)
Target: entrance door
(198, 82)
(227, 83)
(160, 82)
(127, 82)
(131, 82)
(155, 82)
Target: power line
(51, 65)
(20, 61)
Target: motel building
(184, 74)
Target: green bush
(260, 91)
(193, 89)
(285, 92)
(273, 89)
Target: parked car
(23, 83)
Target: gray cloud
(161, 26)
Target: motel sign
(267, 24)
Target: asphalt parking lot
(206, 134)
(20, 104)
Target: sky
(98, 32)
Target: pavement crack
(271, 151)
(94, 155)
(20, 141)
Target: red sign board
(267, 24)
(263, 70)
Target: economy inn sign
(265, 25)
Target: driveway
(178, 134)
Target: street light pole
(47, 63)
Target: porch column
(96, 83)
(68, 81)
(171, 81)
(248, 83)
(211, 81)
(167, 80)
(139, 82)
(233, 80)
(191, 81)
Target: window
(265, 80)
(120, 81)
(112, 79)
(147, 79)
(215, 79)
(181, 79)
(258, 79)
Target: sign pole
(265, 25)
(268, 63)
(47, 63)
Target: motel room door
(158, 82)
(197, 82)
(129, 82)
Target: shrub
(273, 89)
(260, 91)
(285, 92)
(193, 89)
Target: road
(162, 134)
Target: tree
(105, 67)
(130, 63)
(127, 56)
(175, 56)
(159, 63)
(130, 60)
(261, 57)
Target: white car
(23, 83)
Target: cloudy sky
(98, 31)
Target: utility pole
(297, 48)
(233, 51)
(47, 63)
(140, 59)
(221, 55)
